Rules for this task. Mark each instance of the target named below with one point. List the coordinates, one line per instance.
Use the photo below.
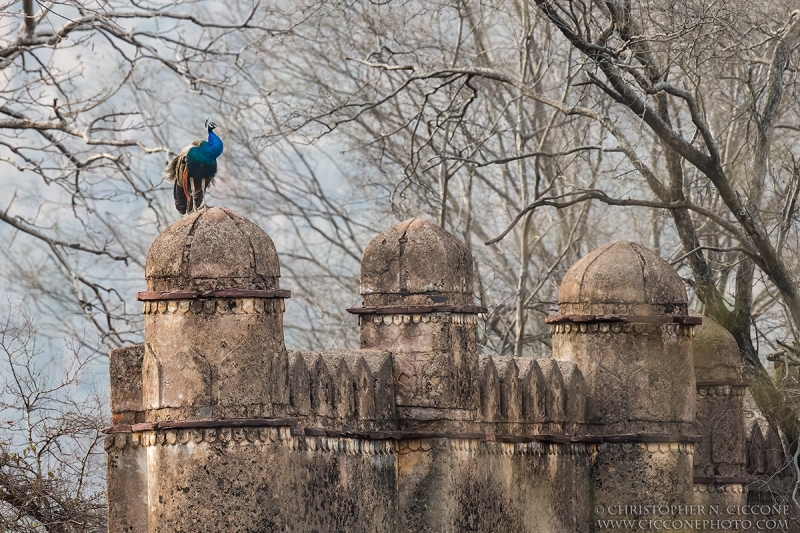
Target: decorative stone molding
(652, 448)
(680, 448)
(459, 319)
(217, 306)
(720, 390)
(673, 330)
(269, 436)
(637, 309)
(733, 488)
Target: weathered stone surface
(127, 485)
(756, 450)
(575, 401)
(415, 263)
(636, 382)
(256, 480)
(721, 495)
(212, 359)
(299, 385)
(490, 391)
(510, 390)
(434, 354)
(212, 249)
(555, 395)
(636, 474)
(639, 376)
(534, 399)
(624, 278)
(220, 357)
(125, 372)
(414, 431)
(719, 417)
(716, 354)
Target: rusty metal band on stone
(626, 319)
(299, 430)
(223, 293)
(416, 309)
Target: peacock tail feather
(177, 166)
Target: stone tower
(720, 476)
(416, 281)
(213, 320)
(623, 320)
(217, 427)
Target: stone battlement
(218, 427)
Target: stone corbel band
(415, 309)
(223, 293)
(626, 319)
(297, 429)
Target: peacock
(193, 170)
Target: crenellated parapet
(528, 396)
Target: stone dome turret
(212, 249)
(622, 278)
(716, 354)
(416, 263)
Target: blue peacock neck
(210, 150)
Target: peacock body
(193, 170)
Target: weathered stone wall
(266, 479)
(217, 427)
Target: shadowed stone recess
(212, 249)
(716, 354)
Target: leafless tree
(51, 453)
(532, 130)
(84, 126)
(450, 147)
(687, 110)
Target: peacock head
(210, 124)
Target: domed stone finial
(416, 263)
(716, 354)
(212, 249)
(643, 381)
(416, 280)
(213, 319)
(720, 457)
(622, 278)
